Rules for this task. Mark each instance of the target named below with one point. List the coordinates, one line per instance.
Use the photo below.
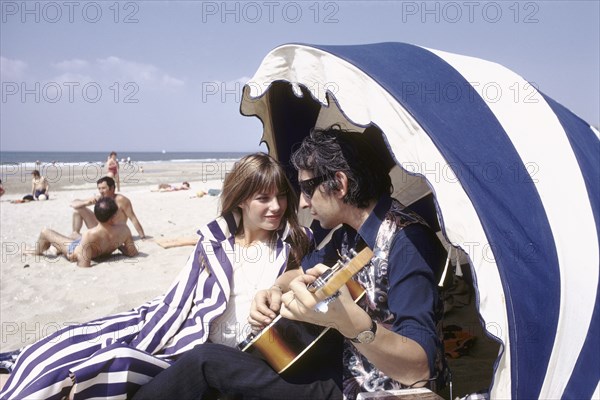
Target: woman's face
(264, 211)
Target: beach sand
(40, 294)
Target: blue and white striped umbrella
(516, 181)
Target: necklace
(252, 263)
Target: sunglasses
(308, 186)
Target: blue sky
(152, 76)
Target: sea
(36, 158)
(16, 166)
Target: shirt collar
(369, 229)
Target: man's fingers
(286, 305)
(317, 270)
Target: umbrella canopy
(515, 179)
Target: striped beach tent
(514, 177)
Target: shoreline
(70, 176)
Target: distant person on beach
(106, 237)
(1, 188)
(39, 185)
(106, 187)
(165, 187)
(112, 169)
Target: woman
(112, 169)
(39, 185)
(256, 238)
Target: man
(39, 185)
(389, 337)
(107, 236)
(106, 187)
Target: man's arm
(128, 247)
(128, 209)
(404, 351)
(84, 203)
(83, 253)
(397, 356)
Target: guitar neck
(342, 276)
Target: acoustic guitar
(283, 341)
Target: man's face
(323, 207)
(105, 190)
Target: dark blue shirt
(416, 258)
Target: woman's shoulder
(219, 229)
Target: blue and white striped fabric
(516, 180)
(111, 357)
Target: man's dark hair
(105, 208)
(109, 181)
(327, 151)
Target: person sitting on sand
(102, 239)
(39, 185)
(165, 187)
(106, 187)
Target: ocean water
(33, 158)
(67, 170)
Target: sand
(40, 294)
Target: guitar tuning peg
(353, 253)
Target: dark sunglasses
(308, 186)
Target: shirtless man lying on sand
(109, 235)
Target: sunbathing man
(102, 239)
(106, 187)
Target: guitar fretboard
(342, 276)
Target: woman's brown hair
(259, 172)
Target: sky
(153, 75)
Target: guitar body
(284, 341)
